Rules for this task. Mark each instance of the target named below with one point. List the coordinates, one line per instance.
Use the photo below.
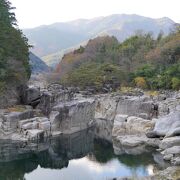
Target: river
(71, 157)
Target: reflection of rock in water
(149, 160)
(17, 159)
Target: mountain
(54, 38)
(37, 65)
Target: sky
(32, 13)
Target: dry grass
(17, 108)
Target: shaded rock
(30, 94)
(103, 129)
(152, 134)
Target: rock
(167, 124)
(106, 107)
(138, 125)
(46, 126)
(110, 109)
(169, 105)
(170, 142)
(11, 120)
(176, 161)
(30, 95)
(152, 134)
(173, 132)
(120, 118)
(130, 144)
(134, 106)
(134, 125)
(131, 140)
(73, 116)
(171, 173)
(168, 157)
(54, 95)
(34, 134)
(143, 115)
(27, 126)
(103, 129)
(172, 150)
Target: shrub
(175, 83)
(140, 82)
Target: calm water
(75, 157)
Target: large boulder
(124, 125)
(73, 116)
(133, 144)
(31, 96)
(168, 125)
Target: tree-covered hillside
(37, 65)
(49, 40)
(139, 61)
(14, 60)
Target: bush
(94, 75)
(140, 82)
(175, 83)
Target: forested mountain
(37, 65)
(14, 53)
(140, 61)
(54, 38)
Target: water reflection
(74, 157)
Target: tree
(13, 45)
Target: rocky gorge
(133, 123)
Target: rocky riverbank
(46, 112)
(136, 124)
(133, 123)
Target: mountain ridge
(49, 39)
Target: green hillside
(139, 61)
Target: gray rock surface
(53, 95)
(167, 125)
(110, 106)
(73, 116)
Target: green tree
(14, 48)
